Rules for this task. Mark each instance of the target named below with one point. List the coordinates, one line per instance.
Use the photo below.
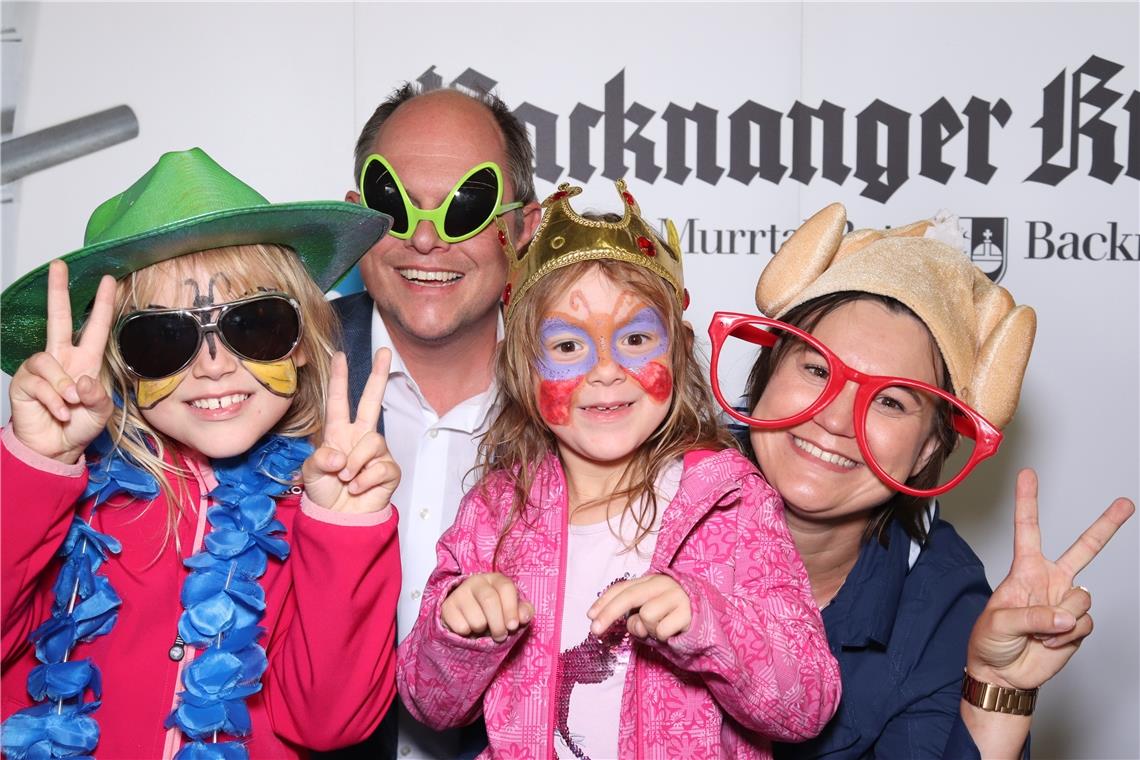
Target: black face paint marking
(208, 300)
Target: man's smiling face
(429, 290)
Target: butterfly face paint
(279, 378)
(159, 345)
(629, 337)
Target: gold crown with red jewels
(564, 237)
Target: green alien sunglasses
(475, 200)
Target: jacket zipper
(173, 734)
(637, 734)
(659, 559)
(553, 686)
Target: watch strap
(994, 698)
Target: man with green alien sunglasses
(444, 165)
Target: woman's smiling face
(817, 466)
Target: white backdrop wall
(1023, 117)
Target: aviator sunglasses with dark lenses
(804, 376)
(475, 200)
(158, 343)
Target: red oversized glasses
(805, 376)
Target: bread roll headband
(984, 337)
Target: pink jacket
(329, 618)
(756, 644)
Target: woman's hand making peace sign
(58, 403)
(1035, 620)
(1037, 617)
(352, 471)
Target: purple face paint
(554, 364)
(640, 340)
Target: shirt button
(431, 434)
(425, 514)
(405, 751)
(416, 594)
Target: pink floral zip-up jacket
(753, 667)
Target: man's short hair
(520, 154)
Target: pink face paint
(554, 398)
(656, 379)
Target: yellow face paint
(279, 377)
(150, 392)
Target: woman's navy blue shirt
(900, 633)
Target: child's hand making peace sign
(58, 404)
(352, 471)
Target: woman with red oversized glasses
(886, 377)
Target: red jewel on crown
(628, 197)
(684, 299)
(559, 195)
(646, 245)
(507, 295)
(502, 238)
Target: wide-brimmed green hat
(185, 203)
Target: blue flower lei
(222, 598)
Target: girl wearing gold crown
(621, 582)
(182, 573)
(885, 351)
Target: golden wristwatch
(994, 698)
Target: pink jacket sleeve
(38, 497)
(757, 637)
(332, 656)
(442, 676)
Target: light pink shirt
(593, 668)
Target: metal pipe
(43, 149)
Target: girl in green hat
(183, 574)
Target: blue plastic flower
(217, 602)
(96, 614)
(111, 472)
(54, 638)
(214, 695)
(64, 680)
(82, 539)
(47, 731)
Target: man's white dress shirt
(436, 456)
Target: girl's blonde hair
(247, 269)
(519, 439)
